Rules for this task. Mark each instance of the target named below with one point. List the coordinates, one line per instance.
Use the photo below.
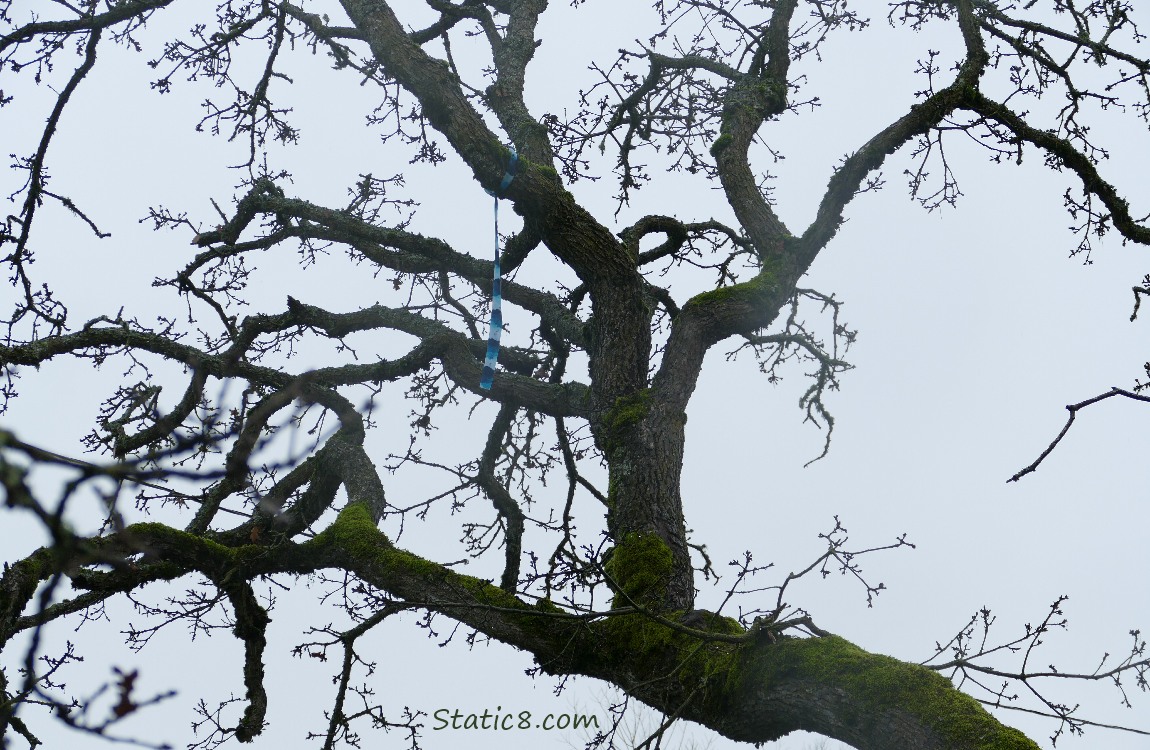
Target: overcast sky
(975, 329)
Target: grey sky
(975, 330)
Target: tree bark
(749, 686)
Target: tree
(619, 333)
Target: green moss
(249, 554)
(642, 565)
(546, 169)
(182, 545)
(546, 605)
(638, 638)
(354, 535)
(687, 664)
(751, 292)
(24, 576)
(721, 143)
(879, 684)
(726, 625)
(627, 412)
(716, 296)
(354, 532)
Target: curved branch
(568, 229)
(1067, 155)
(502, 500)
(754, 304)
(119, 12)
(675, 230)
(461, 356)
(36, 179)
(511, 55)
(251, 628)
(844, 184)
(1073, 409)
(124, 444)
(991, 11)
(754, 689)
(746, 106)
(392, 248)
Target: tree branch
(1073, 409)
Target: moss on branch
(625, 414)
(875, 687)
(642, 566)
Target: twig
(1073, 409)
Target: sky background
(975, 329)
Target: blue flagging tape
(495, 326)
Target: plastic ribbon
(495, 326)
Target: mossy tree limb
(745, 687)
